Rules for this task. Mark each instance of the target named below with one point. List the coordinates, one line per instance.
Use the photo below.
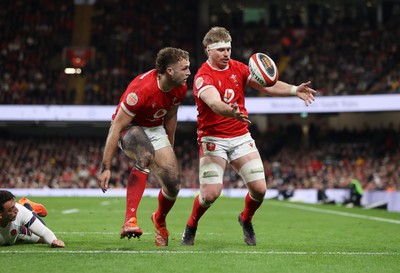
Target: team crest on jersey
(132, 99)
(199, 82)
(233, 77)
(210, 146)
(229, 95)
(13, 232)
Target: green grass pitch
(291, 237)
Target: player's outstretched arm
(212, 98)
(46, 235)
(304, 92)
(282, 89)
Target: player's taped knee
(252, 170)
(211, 173)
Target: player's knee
(171, 181)
(257, 189)
(258, 195)
(209, 197)
(172, 190)
(174, 187)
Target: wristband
(293, 90)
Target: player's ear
(170, 70)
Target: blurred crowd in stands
(32, 37)
(325, 158)
(342, 55)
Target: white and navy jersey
(19, 228)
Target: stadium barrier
(390, 200)
(383, 199)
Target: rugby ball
(263, 69)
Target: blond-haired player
(223, 135)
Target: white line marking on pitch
(196, 252)
(339, 213)
(92, 233)
(69, 211)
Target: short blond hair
(215, 35)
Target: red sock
(250, 207)
(197, 211)
(164, 206)
(134, 192)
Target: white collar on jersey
(216, 68)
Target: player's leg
(39, 209)
(137, 146)
(27, 205)
(250, 168)
(165, 168)
(246, 161)
(134, 192)
(211, 173)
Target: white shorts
(228, 148)
(158, 137)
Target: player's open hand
(306, 93)
(103, 178)
(239, 115)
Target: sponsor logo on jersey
(160, 113)
(229, 95)
(132, 99)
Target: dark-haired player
(20, 223)
(144, 126)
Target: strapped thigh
(252, 170)
(211, 173)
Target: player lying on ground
(21, 223)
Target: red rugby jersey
(230, 84)
(145, 101)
